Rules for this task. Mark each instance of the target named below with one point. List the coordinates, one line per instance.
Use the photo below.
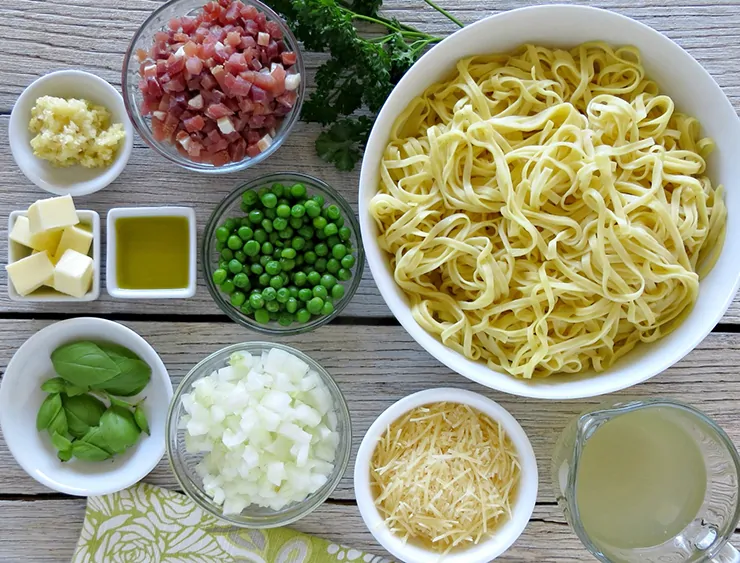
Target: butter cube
(74, 238)
(52, 213)
(45, 240)
(31, 272)
(73, 273)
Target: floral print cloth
(148, 524)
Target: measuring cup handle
(728, 555)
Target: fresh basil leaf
(73, 390)
(114, 350)
(54, 385)
(48, 411)
(134, 377)
(59, 423)
(141, 421)
(118, 402)
(118, 429)
(88, 452)
(95, 437)
(83, 364)
(83, 411)
(65, 455)
(61, 443)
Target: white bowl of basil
(83, 406)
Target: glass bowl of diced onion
(245, 411)
(161, 20)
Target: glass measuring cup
(704, 538)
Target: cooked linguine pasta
(546, 210)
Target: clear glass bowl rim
(143, 129)
(208, 235)
(295, 511)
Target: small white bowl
(526, 496)
(21, 397)
(73, 180)
(111, 278)
(89, 219)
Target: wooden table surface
(370, 355)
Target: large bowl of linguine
(544, 201)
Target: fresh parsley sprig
(360, 72)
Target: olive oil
(152, 252)
(641, 480)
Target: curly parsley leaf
(344, 142)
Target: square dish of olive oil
(151, 252)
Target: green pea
(244, 207)
(234, 242)
(269, 200)
(327, 308)
(270, 214)
(223, 264)
(267, 225)
(220, 246)
(344, 274)
(288, 253)
(222, 233)
(227, 254)
(302, 316)
(251, 248)
(279, 223)
(219, 276)
(298, 243)
(320, 291)
(339, 221)
(332, 241)
(269, 294)
(297, 211)
(318, 199)
(256, 269)
(262, 316)
(285, 277)
(273, 238)
(276, 282)
(256, 301)
(296, 222)
(235, 266)
(264, 279)
(332, 266)
(283, 211)
(310, 257)
(285, 319)
(291, 305)
(262, 191)
(239, 255)
(298, 190)
(306, 232)
(278, 189)
(256, 216)
(339, 251)
(332, 212)
(320, 234)
(283, 294)
(305, 294)
(330, 230)
(272, 306)
(313, 209)
(273, 267)
(319, 222)
(238, 298)
(293, 290)
(260, 235)
(320, 265)
(314, 305)
(250, 197)
(230, 224)
(228, 287)
(314, 278)
(241, 280)
(321, 249)
(247, 309)
(348, 261)
(286, 233)
(328, 281)
(267, 248)
(337, 292)
(299, 278)
(245, 233)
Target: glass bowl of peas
(282, 254)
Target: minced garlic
(73, 131)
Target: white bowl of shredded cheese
(76, 180)
(411, 472)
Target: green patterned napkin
(148, 524)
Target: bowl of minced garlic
(70, 134)
(446, 475)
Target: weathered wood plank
(376, 366)
(46, 531)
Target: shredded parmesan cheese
(444, 475)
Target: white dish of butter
(77, 179)
(54, 252)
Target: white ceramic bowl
(73, 180)
(88, 219)
(21, 397)
(679, 75)
(523, 506)
(111, 283)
